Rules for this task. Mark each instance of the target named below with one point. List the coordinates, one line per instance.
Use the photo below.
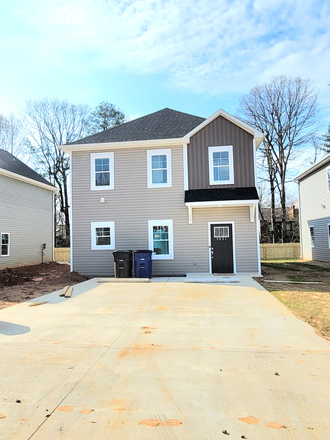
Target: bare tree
(11, 134)
(326, 139)
(48, 124)
(285, 109)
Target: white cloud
(211, 47)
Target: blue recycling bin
(143, 264)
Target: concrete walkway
(161, 360)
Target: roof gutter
(128, 144)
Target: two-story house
(26, 214)
(177, 184)
(314, 209)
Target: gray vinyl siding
(26, 213)
(221, 132)
(313, 194)
(131, 204)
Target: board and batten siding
(221, 132)
(131, 204)
(315, 211)
(26, 213)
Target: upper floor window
(221, 166)
(328, 226)
(328, 179)
(159, 168)
(102, 171)
(102, 235)
(4, 244)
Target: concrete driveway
(163, 360)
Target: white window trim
(310, 235)
(228, 148)
(328, 233)
(328, 179)
(169, 223)
(7, 255)
(94, 225)
(105, 155)
(150, 153)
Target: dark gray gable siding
(10, 163)
(164, 124)
(221, 132)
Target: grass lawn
(308, 293)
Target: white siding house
(314, 208)
(26, 214)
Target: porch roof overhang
(220, 198)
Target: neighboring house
(314, 207)
(26, 214)
(180, 185)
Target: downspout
(70, 216)
(300, 223)
(54, 225)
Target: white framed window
(328, 178)
(160, 234)
(221, 165)
(312, 234)
(102, 171)
(328, 230)
(5, 243)
(102, 235)
(159, 168)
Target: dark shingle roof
(164, 124)
(10, 163)
(220, 194)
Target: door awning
(222, 197)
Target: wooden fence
(279, 251)
(62, 255)
(269, 251)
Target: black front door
(222, 248)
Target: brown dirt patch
(309, 302)
(24, 283)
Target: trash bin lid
(123, 251)
(143, 251)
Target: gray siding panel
(131, 204)
(315, 211)
(221, 132)
(26, 213)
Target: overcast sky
(194, 56)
